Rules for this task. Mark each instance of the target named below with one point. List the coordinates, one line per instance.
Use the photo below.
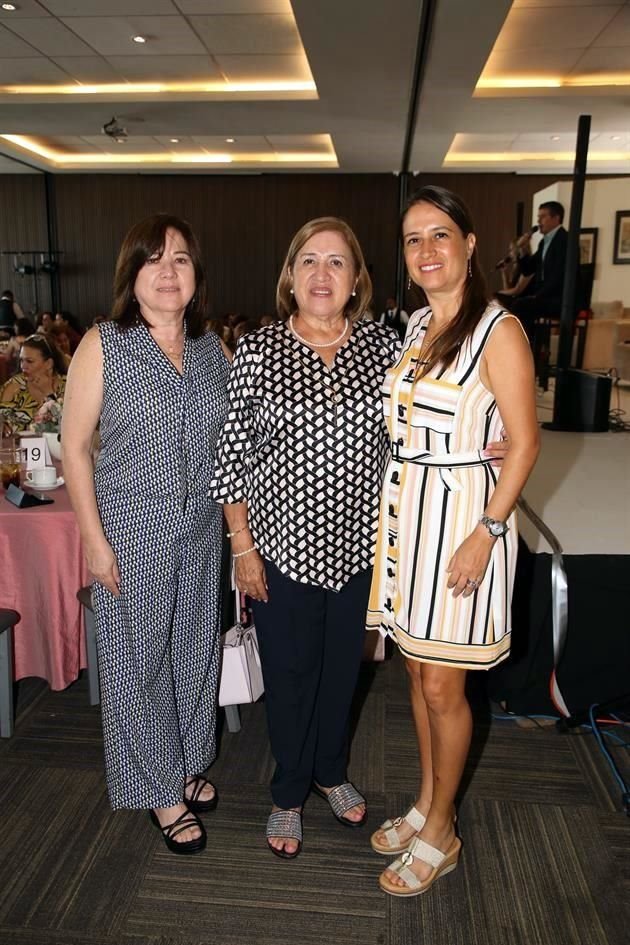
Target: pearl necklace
(314, 344)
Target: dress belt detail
(445, 462)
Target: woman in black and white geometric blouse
(299, 467)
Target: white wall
(602, 199)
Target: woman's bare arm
(81, 411)
(507, 370)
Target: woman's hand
(469, 562)
(249, 572)
(498, 449)
(103, 566)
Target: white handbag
(241, 673)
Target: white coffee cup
(45, 476)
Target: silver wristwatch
(497, 529)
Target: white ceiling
(360, 56)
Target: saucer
(45, 487)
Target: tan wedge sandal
(442, 864)
(393, 842)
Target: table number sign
(36, 452)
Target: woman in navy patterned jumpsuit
(157, 384)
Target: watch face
(497, 529)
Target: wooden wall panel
(244, 224)
(23, 226)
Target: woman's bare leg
(423, 735)
(450, 727)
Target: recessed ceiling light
(615, 137)
(174, 140)
(9, 6)
(229, 140)
(555, 137)
(139, 39)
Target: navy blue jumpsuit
(158, 643)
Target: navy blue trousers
(310, 641)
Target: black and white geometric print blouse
(306, 446)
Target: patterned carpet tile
(13, 936)
(366, 768)
(69, 863)
(505, 761)
(524, 879)
(57, 729)
(243, 893)
(545, 858)
(244, 757)
(596, 770)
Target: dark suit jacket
(548, 272)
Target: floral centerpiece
(48, 417)
(47, 422)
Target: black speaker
(582, 402)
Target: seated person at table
(10, 311)
(23, 329)
(42, 376)
(66, 322)
(45, 321)
(543, 296)
(61, 338)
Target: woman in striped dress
(446, 550)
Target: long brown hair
(144, 240)
(444, 349)
(358, 304)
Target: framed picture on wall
(621, 245)
(588, 245)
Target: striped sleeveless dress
(436, 488)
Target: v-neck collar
(155, 353)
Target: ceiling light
(229, 140)
(555, 137)
(324, 158)
(615, 137)
(174, 140)
(9, 6)
(221, 90)
(139, 39)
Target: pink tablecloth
(41, 570)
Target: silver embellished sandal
(393, 843)
(341, 799)
(286, 824)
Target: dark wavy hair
(48, 350)
(444, 349)
(144, 240)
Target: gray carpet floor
(545, 858)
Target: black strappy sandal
(173, 830)
(193, 803)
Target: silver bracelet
(241, 553)
(237, 532)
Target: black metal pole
(51, 226)
(403, 193)
(569, 291)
